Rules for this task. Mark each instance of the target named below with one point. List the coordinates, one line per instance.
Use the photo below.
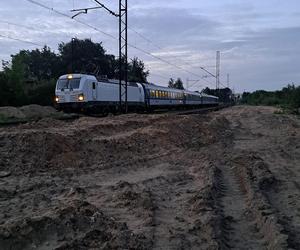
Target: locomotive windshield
(68, 84)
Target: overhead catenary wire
(159, 75)
(177, 57)
(174, 56)
(36, 44)
(112, 37)
(21, 40)
(107, 9)
(67, 16)
(18, 25)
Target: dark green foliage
(178, 84)
(38, 64)
(31, 75)
(171, 83)
(225, 95)
(137, 71)
(5, 91)
(85, 56)
(42, 94)
(288, 97)
(12, 91)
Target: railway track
(201, 111)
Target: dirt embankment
(33, 112)
(225, 180)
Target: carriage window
(156, 94)
(152, 93)
(94, 85)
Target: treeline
(178, 84)
(30, 76)
(288, 97)
(225, 95)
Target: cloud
(259, 40)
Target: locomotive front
(69, 92)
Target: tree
(225, 94)
(31, 75)
(171, 83)
(85, 56)
(38, 64)
(12, 84)
(178, 84)
(5, 93)
(209, 91)
(137, 71)
(287, 98)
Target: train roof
(205, 95)
(157, 87)
(191, 92)
(67, 76)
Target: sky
(259, 40)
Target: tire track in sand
(170, 221)
(238, 225)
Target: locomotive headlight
(56, 99)
(81, 97)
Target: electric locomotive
(80, 92)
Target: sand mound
(30, 112)
(37, 111)
(76, 226)
(11, 112)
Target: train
(89, 93)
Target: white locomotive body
(87, 93)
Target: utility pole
(218, 64)
(72, 56)
(228, 82)
(187, 83)
(123, 47)
(123, 55)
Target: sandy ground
(225, 180)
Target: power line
(20, 40)
(111, 36)
(158, 75)
(177, 57)
(19, 25)
(27, 27)
(67, 16)
(186, 63)
(15, 24)
(107, 9)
